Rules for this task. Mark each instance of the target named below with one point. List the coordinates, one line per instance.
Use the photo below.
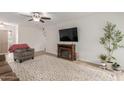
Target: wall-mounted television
(68, 35)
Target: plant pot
(103, 64)
(116, 66)
(109, 66)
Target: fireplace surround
(67, 51)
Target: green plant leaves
(111, 40)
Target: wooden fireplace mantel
(69, 49)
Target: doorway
(8, 36)
(3, 41)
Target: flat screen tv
(68, 35)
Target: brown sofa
(6, 73)
(23, 54)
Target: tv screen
(69, 34)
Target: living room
(43, 38)
(61, 46)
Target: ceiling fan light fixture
(36, 19)
(36, 16)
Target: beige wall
(32, 36)
(90, 29)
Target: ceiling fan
(36, 16)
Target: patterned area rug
(50, 68)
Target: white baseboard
(89, 61)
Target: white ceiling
(65, 16)
(14, 17)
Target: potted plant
(111, 42)
(115, 66)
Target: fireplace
(67, 51)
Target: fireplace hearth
(67, 51)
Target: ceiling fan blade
(27, 15)
(47, 18)
(42, 21)
(30, 20)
